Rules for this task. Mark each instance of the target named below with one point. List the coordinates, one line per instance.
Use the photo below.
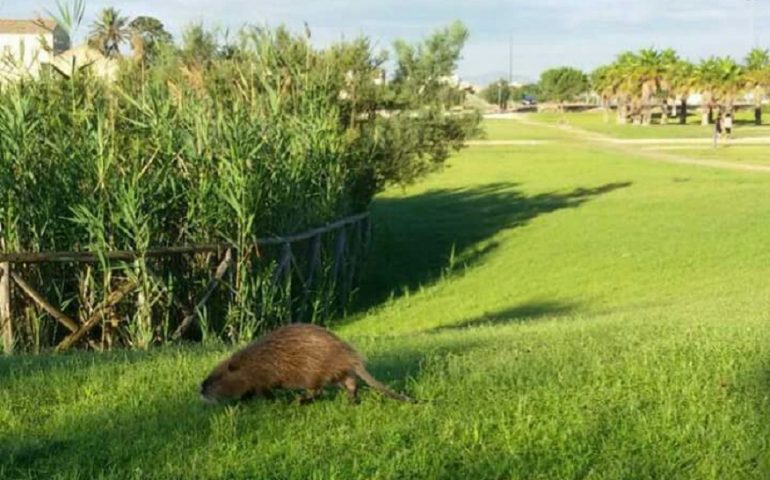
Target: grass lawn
(594, 121)
(570, 313)
(757, 154)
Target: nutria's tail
(380, 387)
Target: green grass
(756, 154)
(594, 121)
(571, 313)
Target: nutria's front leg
(268, 395)
(251, 394)
(350, 384)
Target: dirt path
(628, 146)
(490, 143)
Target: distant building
(84, 56)
(26, 45)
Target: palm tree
(109, 32)
(757, 78)
(668, 61)
(622, 80)
(730, 78)
(719, 80)
(603, 83)
(706, 81)
(648, 72)
(683, 81)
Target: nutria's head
(228, 381)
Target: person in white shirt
(728, 126)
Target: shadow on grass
(161, 430)
(520, 313)
(416, 237)
(25, 365)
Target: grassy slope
(594, 121)
(601, 318)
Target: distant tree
(529, 90)
(148, 36)
(757, 78)
(497, 93)
(418, 135)
(562, 84)
(108, 32)
(423, 69)
(199, 46)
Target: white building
(84, 56)
(25, 45)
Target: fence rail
(130, 255)
(286, 267)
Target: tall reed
(264, 142)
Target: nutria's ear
(232, 366)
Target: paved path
(627, 145)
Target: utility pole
(510, 58)
(754, 38)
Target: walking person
(728, 126)
(717, 130)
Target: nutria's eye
(231, 367)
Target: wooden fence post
(6, 327)
(339, 254)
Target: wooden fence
(351, 241)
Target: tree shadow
(520, 313)
(32, 364)
(419, 238)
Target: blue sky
(546, 33)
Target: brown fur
(297, 356)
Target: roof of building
(26, 26)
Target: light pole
(510, 58)
(754, 38)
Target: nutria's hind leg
(350, 384)
(310, 395)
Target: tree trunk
(606, 110)
(647, 114)
(707, 115)
(683, 111)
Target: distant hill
(485, 79)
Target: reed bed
(271, 139)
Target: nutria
(297, 356)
